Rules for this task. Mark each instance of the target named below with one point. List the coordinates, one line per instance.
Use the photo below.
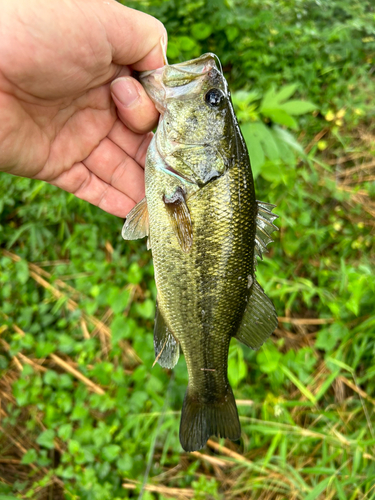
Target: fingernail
(125, 90)
(164, 43)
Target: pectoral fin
(180, 219)
(167, 349)
(136, 224)
(259, 319)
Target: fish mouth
(166, 82)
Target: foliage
(83, 412)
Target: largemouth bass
(205, 229)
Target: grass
(82, 412)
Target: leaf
(46, 438)
(186, 43)
(232, 33)
(22, 271)
(279, 116)
(121, 301)
(268, 360)
(260, 143)
(273, 99)
(269, 100)
(288, 139)
(298, 107)
(146, 309)
(30, 457)
(201, 31)
(43, 349)
(319, 488)
(111, 452)
(298, 384)
(272, 172)
(257, 157)
(120, 329)
(237, 369)
(65, 431)
(173, 51)
(285, 92)
(125, 462)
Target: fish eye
(214, 97)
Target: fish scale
(204, 227)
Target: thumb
(134, 107)
(137, 39)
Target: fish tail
(200, 420)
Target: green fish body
(205, 229)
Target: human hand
(58, 120)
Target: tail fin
(201, 420)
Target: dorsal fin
(136, 224)
(180, 218)
(264, 228)
(167, 349)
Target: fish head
(197, 119)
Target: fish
(205, 229)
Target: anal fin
(137, 223)
(167, 349)
(259, 319)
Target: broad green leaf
(186, 43)
(278, 115)
(232, 33)
(43, 349)
(201, 31)
(146, 309)
(173, 50)
(285, 92)
(111, 452)
(256, 154)
(261, 143)
(120, 329)
(272, 172)
(30, 457)
(121, 301)
(273, 99)
(269, 100)
(298, 107)
(237, 368)
(268, 360)
(46, 439)
(65, 431)
(22, 271)
(288, 138)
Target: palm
(62, 122)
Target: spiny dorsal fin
(259, 319)
(264, 228)
(180, 218)
(167, 349)
(136, 224)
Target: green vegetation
(83, 412)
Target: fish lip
(185, 64)
(155, 81)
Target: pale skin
(71, 114)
